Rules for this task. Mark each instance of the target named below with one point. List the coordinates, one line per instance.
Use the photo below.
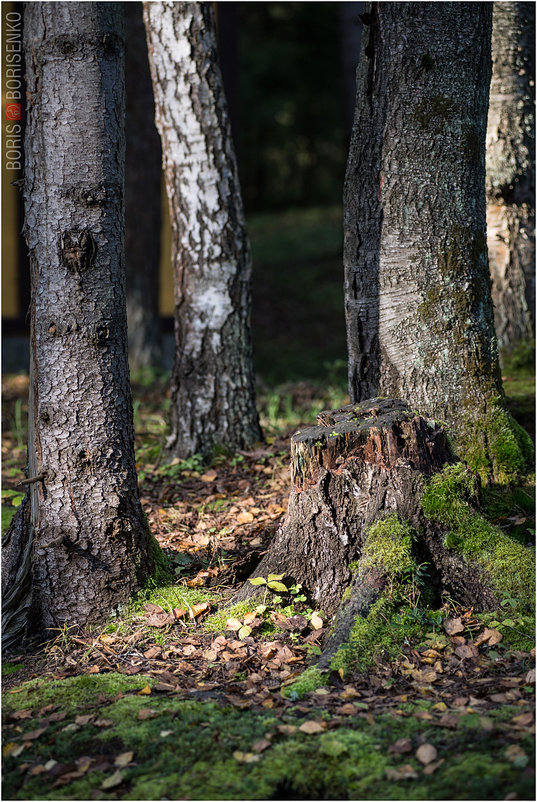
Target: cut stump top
(381, 431)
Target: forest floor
(183, 696)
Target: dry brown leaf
(152, 608)
(467, 651)
(19, 715)
(244, 518)
(406, 772)
(349, 693)
(153, 652)
(489, 636)
(145, 713)
(286, 729)
(261, 745)
(426, 753)
(210, 655)
(311, 727)
(210, 476)
(33, 734)
(159, 619)
(453, 625)
(348, 709)
(83, 720)
(430, 768)
(523, 720)
(401, 746)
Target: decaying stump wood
(362, 462)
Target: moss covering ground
(203, 750)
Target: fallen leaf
(233, 624)
(104, 722)
(349, 693)
(316, 621)
(430, 768)
(516, 755)
(311, 727)
(210, 655)
(244, 518)
(19, 715)
(406, 772)
(486, 723)
(453, 625)
(115, 779)
(401, 746)
(286, 729)
(154, 651)
(523, 720)
(145, 691)
(489, 636)
(210, 476)
(530, 677)
(246, 757)
(348, 709)
(83, 720)
(145, 713)
(198, 609)
(152, 608)
(244, 632)
(33, 734)
(159, 619)
(261, 745)
(426, 753)
(469, 650)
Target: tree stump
(361, 463)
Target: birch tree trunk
(417, 287)
(212, 387)
(142, 198)
(80, 544)
(511, 172)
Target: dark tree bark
(142, 198)
(213, 399)
(350, 26)
(417, 286)
(511, 172)
(363, 463)
(79, 545)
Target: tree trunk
(213, 401)
(142, 198)
(417, 286)
(81, 531)
(511, 172)
(368, 463)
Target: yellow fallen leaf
(244, 632)
(115, 779)
(246, 757)
(145, 691)
(316, 621)
(198, 609)
(123, 759)
(233, 624)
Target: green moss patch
(510, 566)
(153, 747)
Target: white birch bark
(83, 519)
(213, 398)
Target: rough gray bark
(212, 387)
(142, 198)
(417, 287)
(511, 172)
(373, 458)
(82, 521)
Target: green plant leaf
(257, 580)
(279, 586)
